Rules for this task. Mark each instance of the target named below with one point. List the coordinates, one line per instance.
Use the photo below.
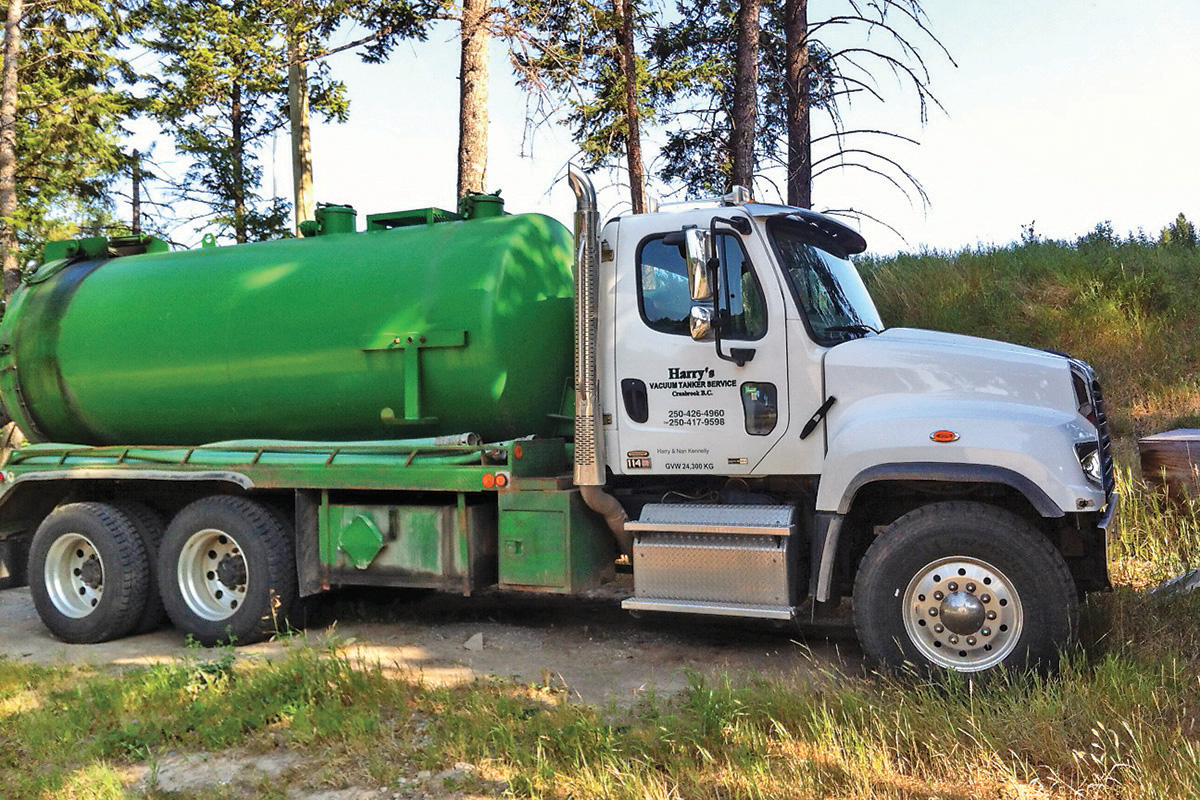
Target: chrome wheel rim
(212, 574)
(962, 613)
(74, 575)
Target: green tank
(427, 323)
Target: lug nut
(933, 612)
(953, 586)
(938, 628)
(991, 615)
(985, 598)
(953, 639)
(938, 595)
(971, 641)
(971, 588)
(986, 631)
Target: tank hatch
(404, 219)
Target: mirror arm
(739, 224)
(738, 355)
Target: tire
(88, 573)
(227, 571)
(964, 587)
(150, 527)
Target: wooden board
(1172, 459)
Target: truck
(704, 396)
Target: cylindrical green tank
(400, 331)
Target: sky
(1057, 113)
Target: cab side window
(663, 289)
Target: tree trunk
(627, 60)
(745, 96)
(302, 170)
(237, 157)
(136, 180)
(473, 92)
(8, 147)
(799, 132)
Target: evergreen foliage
(568, 56)
(699, 52)
(1180, 233)
(72, 102)
(221, 92)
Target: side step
(714, 609)
(728, 560)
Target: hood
(934, 366)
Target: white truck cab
(774, 444)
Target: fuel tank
(424, 324)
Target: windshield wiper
(862, 329)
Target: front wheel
(227, 571)
(965, 587)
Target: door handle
(637, 399)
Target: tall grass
(1128, 306)
(1109, 726)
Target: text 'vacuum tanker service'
(217, 433)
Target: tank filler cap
(481, 206)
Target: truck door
(681, 408)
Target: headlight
(1089, 461)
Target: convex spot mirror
(700, 323)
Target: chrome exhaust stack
(589, 434)
(589, 441)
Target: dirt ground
(589, 644)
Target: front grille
(1091, 400)
(1106, 459)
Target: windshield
(826, 286)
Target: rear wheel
(227, 570)
(88, 572)
(150, 528)
(966, 587)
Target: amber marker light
(501, 480)
(517, 451)
(489, 480)
(944, 436)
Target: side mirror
(698, 251)
(700, 323)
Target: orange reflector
(501, 481)
(517, 451)
(489, 481)
(944, 436)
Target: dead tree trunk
(745, 96)
(799, 131)
(237, 156)
(136, 178)
(473, 93)
(302, 169)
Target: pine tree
(61, 109)
(798, 74)
(221, 92)
(587, 56)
